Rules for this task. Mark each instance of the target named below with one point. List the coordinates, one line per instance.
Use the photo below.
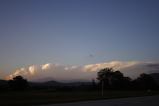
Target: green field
(27, 98)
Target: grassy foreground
(27, 98)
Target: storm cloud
(86, 72)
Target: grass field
(27, 98)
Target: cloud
(32, 69)
(46, 66)
(117, 65)
(86, 72)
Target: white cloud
(21, 71)
(86, 72)
(46, 66)
(117, 65)
(32, 69)
(66, 68)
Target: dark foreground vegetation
(39, 97)
(109, 84)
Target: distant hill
(3, 84)
(155, 76)
(45, 84)
(43, 79)
(54, 84)
(49, 84)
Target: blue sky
(77, 32)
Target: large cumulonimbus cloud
(86, 72)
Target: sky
(77, 32)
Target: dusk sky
(77, 32)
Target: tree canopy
(18, 83)
(113, 79)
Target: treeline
(107, 79)
(111, 79)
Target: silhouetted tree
(145, 81)
(113, 79)
(104, 76)
(119, 81)
(18, 83)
